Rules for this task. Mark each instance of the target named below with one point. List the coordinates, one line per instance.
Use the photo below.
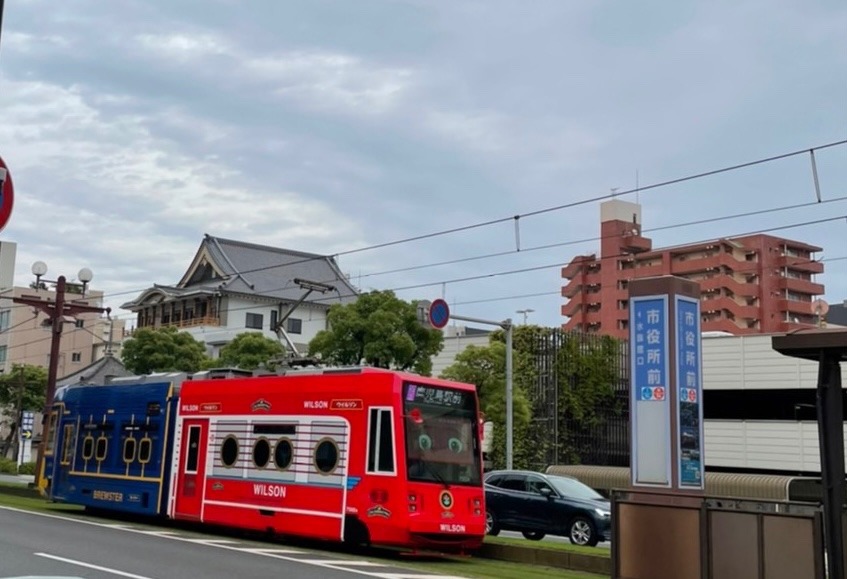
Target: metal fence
(563, 362)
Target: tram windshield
(442, 435)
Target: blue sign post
(650, 407)
(689, 407)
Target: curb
(547, 558)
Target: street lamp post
(56, 311)
(525, 313)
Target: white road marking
(334, 563)
(271, 551)
(413, 576)
(90, 566)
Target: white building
(233, 287)
(759, 406)
(456, 339)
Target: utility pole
(56, 311)
(1, 16)
(19, 414)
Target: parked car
(538, 504)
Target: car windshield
(571, 487)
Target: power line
(560, 264)
(579, 241)
(536, 212)
(601, 238)
(640, 189)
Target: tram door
(192, 469)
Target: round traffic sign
(439, 313)
(7, 194)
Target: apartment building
(750, 284)
(25, 332)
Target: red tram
(361, 455)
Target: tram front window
(442, 437)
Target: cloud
(326, 126)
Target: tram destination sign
(436, 396)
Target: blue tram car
(111, 444)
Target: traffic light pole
(56, 311)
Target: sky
(133, 127)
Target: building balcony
(573, 324)
(684, 267)
(572, 308)
(185, 323)
(802, 286)
(805, 264)
(635, 244)
(581, 284)
(592, 316)
(579, 264)
(739, 311)
(794, 307)
(635, 270)
(724, 281)
(724, 325)
(571, 289)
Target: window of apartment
(274, 318)
(254, 321)
(3, 354)
(79, 323)
(4, 319)
(76, 357)
(294, 326)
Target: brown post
(56, 311)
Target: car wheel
(491, 526)
(533, 535)
(582, 532)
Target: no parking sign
(7, 194)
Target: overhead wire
(585, 201)
(560, 264)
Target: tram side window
(50, 435)
(193, 449)
(380, 441)
(145, 449)
(88, 447)
(326, 456)
(129, 449)
(101, 447)
(68, 444)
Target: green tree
(249, 350)
(486, 368)
(381, 330)
(24, 387)
(163, 350)
(586, 369)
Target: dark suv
(540, 504)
